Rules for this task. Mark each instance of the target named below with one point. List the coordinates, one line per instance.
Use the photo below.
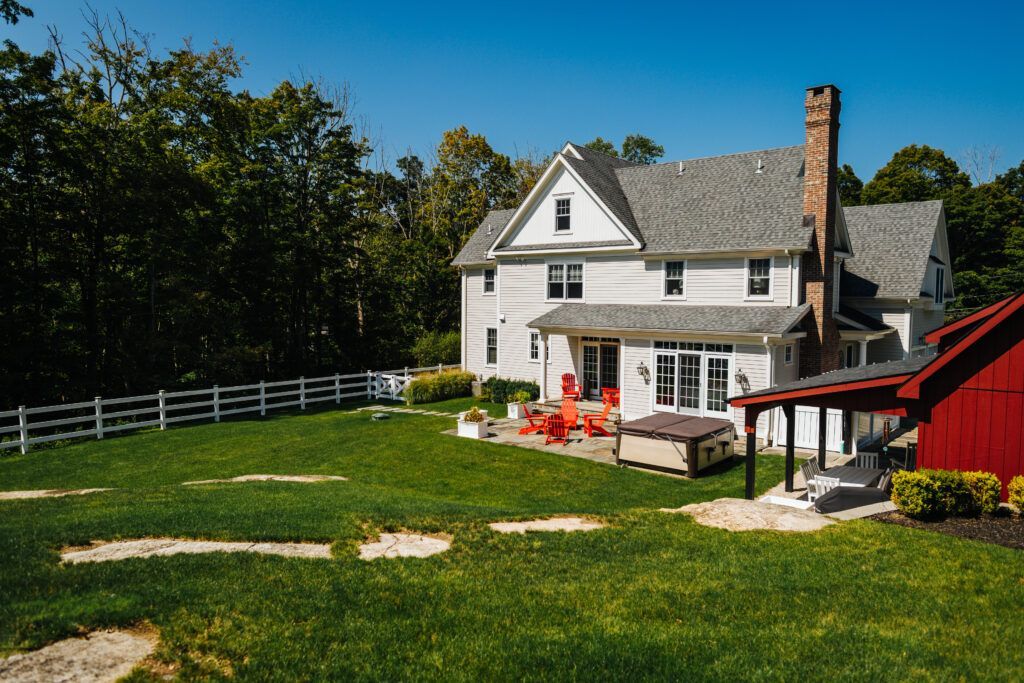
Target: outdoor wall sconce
(644, 372)
(742, 380)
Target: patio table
(848, 475)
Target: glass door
(689, 383)
(609, 368)
(717, 386)
(591, 358)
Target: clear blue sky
(703, 78)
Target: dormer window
(940, 285)
(563, 211)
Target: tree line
(161, 229)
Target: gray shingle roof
(857, 374)
(673, 318)
(475, 249)
(599, 173)
(862, 318)
(720, 203)
(892, 243)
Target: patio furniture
(850, 475)
(570, 387)
(535, 422)
(849, 497)
(555, 430)
(610, 395)
(674, 443)
(570, 413)
(820, 485)
(809, 468)
(867, 460)
(593, 423)
(909, 461)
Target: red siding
(978, 421)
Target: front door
(600, 367)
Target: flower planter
(473, 430)
(516, 411)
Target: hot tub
(675, 443)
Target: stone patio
(506, 431)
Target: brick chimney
(820, 350)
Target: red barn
(968, 398)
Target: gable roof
(720, 203)
(598, 171)
(893, 244)
(476, 247)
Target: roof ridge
(872, 206)
(607, 156)
(719, 156)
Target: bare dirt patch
(1003, 529)
(47, 493)
(160, 547)
(100, 656)
(404, 545)
(736, 514)
(294, 478)
(554, 524)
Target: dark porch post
(822, 433)
(751, 448)
(790, 413)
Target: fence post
(23, 429)
(216, 403)
(369, 392)
(440, 368)
(99, 417)
(407, 372)
(302, 393)
(337, 388)
(263, 399)
(163, 410)
(378, 383)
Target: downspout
(462, 320)
(770, 352)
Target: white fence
(109, 415)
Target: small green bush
(473, 415)
(520, 397)
(501, 390)
(985, 488)
(1016, 491)
(439, 386)
(915, 494)
(954, 496)
(432, 348)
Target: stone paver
(160, 547)
(47, 493)
(403, 545)
(553, 524)
(295, 478)
(736, 514)
(99, 657)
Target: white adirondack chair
(819, 486)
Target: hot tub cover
(673, 426)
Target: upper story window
(563, 214)
(565, 281)
(788, 354)
(675, 279)
(940, 285)
(759, 278)
(489, 281)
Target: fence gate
(391, 386)
(806, 428)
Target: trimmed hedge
(500, 390)
(1016, 490)
(934, 494)
(439, 386)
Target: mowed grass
(653, 596)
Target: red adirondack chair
(535, 422)
(593, 423)
(609, 395)
(570, 413)
(555, 429)
(570, 388)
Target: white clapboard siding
(481, 313)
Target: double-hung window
(759, 278)
(563, 214)
(789, 354)
(492, 346)
(535, 348)
(489, 281)
(675, 279)
(940, 285)
(565, 281)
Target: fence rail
(89, 418)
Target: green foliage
(501, 390)
(915, 494)
(954, 496)
(934, 494)
(1015, 489)
(473, 415)
(641, 149)
(12, 10)
(439, 386)
(432, 348)
(599, 144)
(914, 174)
(520, 397)
(985, 488)
(850, 186)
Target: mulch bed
(1002, 529)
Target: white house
(688, 282)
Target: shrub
(520, 397)
(473, 415)
(915, 494)
(985, 488)
(439, 386)
(1016, 490)
(432, 348)
(954, 496)
(500, 390)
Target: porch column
(863, 352)
(543, 367)
(822, 433)
(790, 413)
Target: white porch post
(855, 416)
(543, 366)
(863, 352)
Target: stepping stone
(735, 514)
(47, 493)
(403, 545)
(154, 547)
(555, 524)
(296, 478)
(100, 656)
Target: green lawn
(654, 596)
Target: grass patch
(652, 596)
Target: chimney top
(816, 90)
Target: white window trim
(487, 346)
(554, 206)
(729, 414)
(483, 283)
(940, 291)
(771, 279)
(529, 347)
(664, 279)
(565, 274)
(787, 355)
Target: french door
(600, 367)
(695, 381)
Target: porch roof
(741, 320)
